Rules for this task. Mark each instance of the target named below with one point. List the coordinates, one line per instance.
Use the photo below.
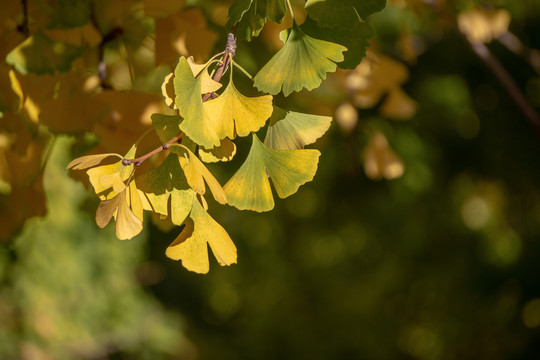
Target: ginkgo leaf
(84, 162)
(249, 188)
(40, 55)
(166, 126)
(111, 176)
(191, 245)
(197, 125)
(289, 130)
(167, 181)
(128, 224)
(342, 13)
(301, 63)
(197, 174)
(354, 39)
(223, 152)
(235, 114)
(248, 23)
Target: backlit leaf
(111, 176)
(249, 188)
(301, 63)
(40, 55)
(197, 125)
(342, 13)
(191, 245)
(289, 130)
(84, 162)
(235, 114)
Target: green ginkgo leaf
(191, 246)
(166, 126)
(342, 13)
(289, 130)
(249, 16)
(196, 124)
(249, 188)
(355, 39)
(167, 181)
(224, 152)
(301, 63)
(41, 55)
(235, 114)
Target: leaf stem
(230, 50)
(243, 70)
(291, 11)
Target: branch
(230, 51)
(507, 82)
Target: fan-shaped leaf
(191, 245)
(249, 188)
(84, 162)
(289, 130)
(235, 114)
(197, 125)
(301, 63)
(111, 176)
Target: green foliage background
(347, 268)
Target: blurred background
(419, 237)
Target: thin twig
(230, 51)
(508, 83)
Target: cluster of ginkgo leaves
(209, 119)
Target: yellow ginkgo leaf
(197, 174)
(208, 84)
(128, 224)
(84, 162)
(191, 245)
(235, 114)
(111, 176)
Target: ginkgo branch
(508, 83)
(230, 51)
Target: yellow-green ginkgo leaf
(191, 245)
(197, 125)
(301, 63)
(111, 176)
(197, 174)
(249, 188)
(166, 126)
(84, 162)
(127, 223)
(223, 152)
(235, 114)
(289, 130)
(167, 181)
